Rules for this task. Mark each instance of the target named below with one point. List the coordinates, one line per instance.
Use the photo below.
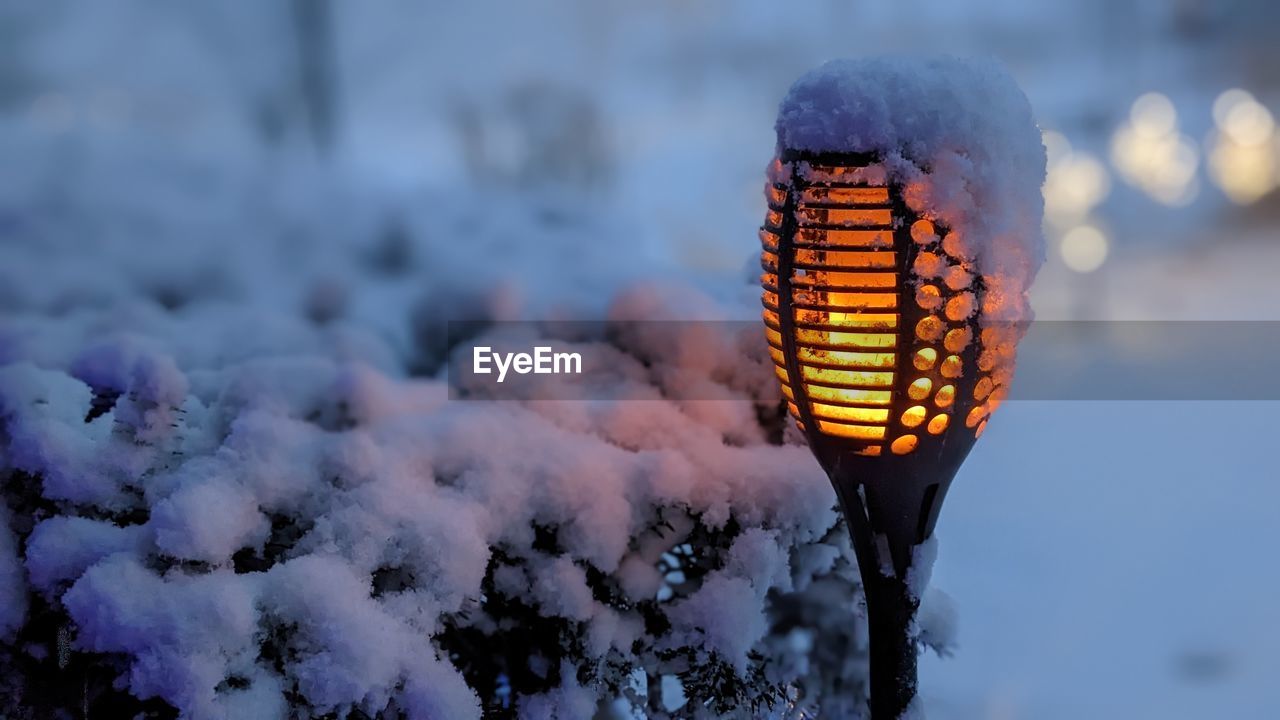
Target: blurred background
(247, 149)
(1157, 114)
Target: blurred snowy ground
(1108, 560)
(1112, 560)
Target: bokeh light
(1151, 154)
(1226, 101)
(1244, 149)
(1153, 115)
(1076, 182)
(1084, 248)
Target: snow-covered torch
(901, 234)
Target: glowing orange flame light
(883, 319)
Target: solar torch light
(876, 334)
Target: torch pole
(891, 609)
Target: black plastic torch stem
(891, 609)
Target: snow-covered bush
(233, 485)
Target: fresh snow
(176, 445)
(1097, 553)
(958, 136)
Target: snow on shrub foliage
(13, 600)
(232, 484)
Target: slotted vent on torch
(869, 321)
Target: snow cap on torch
(959, 138)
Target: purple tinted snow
(957, 135)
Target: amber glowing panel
(843, 302)
(869, 319)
